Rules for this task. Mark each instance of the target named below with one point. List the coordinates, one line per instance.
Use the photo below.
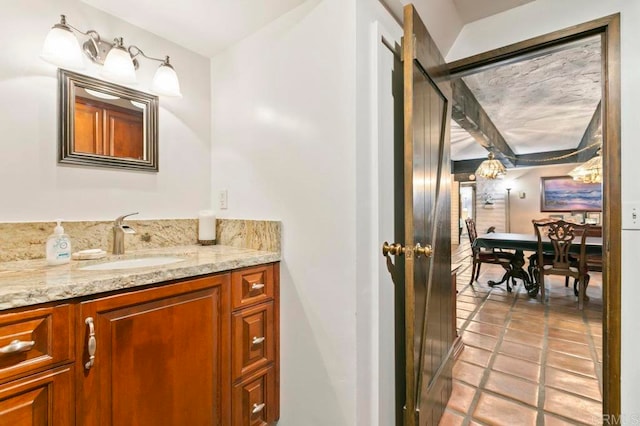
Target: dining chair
(480, 256)
(560, 260)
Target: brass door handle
(425, 251)
(395, 249)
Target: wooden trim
(609, 28)
(517, 51)
(408, 54)
(612, 231)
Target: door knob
(425, 251)
(395, 249)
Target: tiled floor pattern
(525, 362)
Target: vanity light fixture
(61, 48)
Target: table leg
(517, 271)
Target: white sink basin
(143, 262)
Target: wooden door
(427, 315)
(161, 356)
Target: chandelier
(589, 172)
(491, 168)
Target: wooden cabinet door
(44, 399)
(88, 130)
(161, 358)
(125, 134)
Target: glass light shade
(165, 81)
(589, 172)
(61, 48)
(118, 66)
(491, 168)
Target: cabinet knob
(257, 286)
(257, 408)
(257, 340)
(17, 346)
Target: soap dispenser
(58, 246)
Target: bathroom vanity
(194, 342)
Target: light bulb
(61, 47)
(165, 81)
(118, 65)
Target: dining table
(527, 242)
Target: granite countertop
(29, 282)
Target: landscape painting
(563, 194)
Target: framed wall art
(563, 194)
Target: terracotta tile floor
(525, 362)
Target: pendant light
(589, 172)
(491, 168)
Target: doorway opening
(522, 355)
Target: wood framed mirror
(103, 124)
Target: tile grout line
(592, 349)
(492, 358)
(543, 365)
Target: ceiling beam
(591, 135)
(470, 115)
(465, 166)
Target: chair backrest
(561, 235)
(471, 230)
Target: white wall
(284, 146)
(544, 16)
(35, 187)
(375, 337)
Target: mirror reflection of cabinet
(106, 129)
(106, 125)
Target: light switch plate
(631, 215)
(222, 200)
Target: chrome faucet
(119, 229)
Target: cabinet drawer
(253, 339)
(44, 399)
(254, 401)
(251, 285)
(34, 339)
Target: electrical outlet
(631, 216)
(222, 200)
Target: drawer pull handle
(257, 286)
(257, 408)
(91, 343)
(17, 346)
(257, 340)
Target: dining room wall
(527, 180)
